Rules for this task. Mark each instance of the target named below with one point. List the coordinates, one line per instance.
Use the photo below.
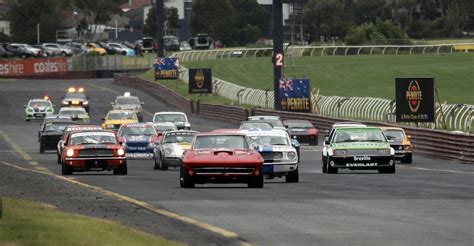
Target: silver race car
(171, 147)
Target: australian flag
(294, 93)
(166, 68)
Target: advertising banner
(415, 99)
(33, 67)
(200, 80)
(295, 95)
(166, 68)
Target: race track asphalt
(427, 203)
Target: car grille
(224, 170)
(268, 156)
(137, 144)
(362, 152)
(96, 152)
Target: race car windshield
(269, 140)
(358, 135)
(299, 124)
(220, 142)
(121, 116)
(257, 125)
(125, 131)
(40, 104)
(170, 118)
(79, 139)
(55, 127)
(394, 135)
(127, 100)
(181, 138)
(165, 128)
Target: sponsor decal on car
(139, 155)
(361, 158)
(372, 164)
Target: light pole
(160, 20)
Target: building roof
(135, 4)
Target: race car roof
(273, 132)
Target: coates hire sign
(295, 95)
(33, 67)
(415, 99)
(167, 68)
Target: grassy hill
(372, 76)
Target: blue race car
(139, 140)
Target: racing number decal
(279, 59)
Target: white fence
(212, 54)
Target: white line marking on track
(436, 170)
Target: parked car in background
(121, 49)
(96, 49)
(49, 51)
(201, 41)
(5, 53)
(185, 46)
(61, 49)
(77, 48)
(109, 50)
(147, 44)
(23, 50)
(171, 43)
(302, 130)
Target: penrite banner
(295, 95)
(166, 68)
(415, 99)
(200, 80)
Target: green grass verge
(31, 223)
(371, 76)
(182, 88)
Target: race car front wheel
(121, 170)
(185, 179)
(293, 176)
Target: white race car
(279, 153)
(171, 148)
(38, 108)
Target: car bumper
(370, 162)
(95, 163)
(38, 115)
(273, 168)
(402, 154)
(172, 161)
(139, 155)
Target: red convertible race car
(94, 150)
(220, 157)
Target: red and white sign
(29, 67)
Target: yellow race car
(115, 118)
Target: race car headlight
(29, 109)
(85, 102)
(50, 109)
(70, 152)
(186, 124)
(340, 152)
(291, 155)
(330, 152)
(120, 152)
(392, 151)
(64, 102)
(383, 151)
(408, 147)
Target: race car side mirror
(409, 136)
(326, 142)
(112, 103)
(103, 119)
(143, 103)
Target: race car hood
(220, 157)
(40, 108)
(80, 116)
(360, 145)
(137, 139)
(116, 122)
(175, 149)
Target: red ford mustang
(221, 158)
(93, 150)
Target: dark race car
(303, 131)
(51, 134)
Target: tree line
(242, 22)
